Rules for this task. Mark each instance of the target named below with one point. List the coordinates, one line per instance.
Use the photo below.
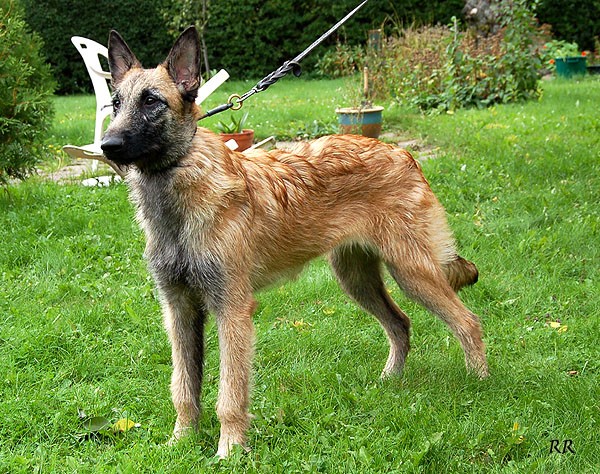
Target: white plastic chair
(90, 52)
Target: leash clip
(237, 105)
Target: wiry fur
(221, 225)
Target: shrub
(445, 68)
(249, 38)
(26, 88)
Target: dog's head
(154, 111)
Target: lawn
(81, 336)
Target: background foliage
(139, 21)
(253, 37)
(26, 88)
(445, 68)
(248, 38)
(572, 21)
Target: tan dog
(221, 225)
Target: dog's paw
(394, 365)
(179, 433)
(227, 444)
(478, 368)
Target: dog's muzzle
(112, 144)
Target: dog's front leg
(236, 345)
(184, 319)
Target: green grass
(81, 329)
(289, 109)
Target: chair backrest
(90, 52)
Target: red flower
(552, 61)
(584, 53)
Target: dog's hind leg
(423, 280)
(358, 270)
(184, 319)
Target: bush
(445, 68)
(26, 88)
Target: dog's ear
(183, 63)
(120, 58)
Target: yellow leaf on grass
(554, 324)
(562, 329)
(301, 325)
(123, 425)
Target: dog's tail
(461, 272)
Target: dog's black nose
(112, 144)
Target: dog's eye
(116, 103)
(150, 100)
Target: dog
(221, 225)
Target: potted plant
(363, 119)
(234, 130)
(566, 58)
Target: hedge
(249, 38)
(572, 21)
(253, 37)
(139, 21)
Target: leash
(236, 101)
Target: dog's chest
(175, 248)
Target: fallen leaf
(123, 425)
(562, 329)
(554, 324)
(96, 424)
(300, 325)
(573, 372)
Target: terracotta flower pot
(361, 121)
(244, 139)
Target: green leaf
(96, 424)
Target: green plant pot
(360, 121)
(569, 67)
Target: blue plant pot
(361, 121)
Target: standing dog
(220, 225)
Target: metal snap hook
(237, 105)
